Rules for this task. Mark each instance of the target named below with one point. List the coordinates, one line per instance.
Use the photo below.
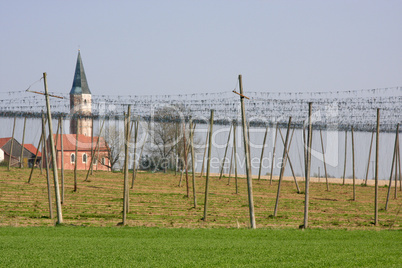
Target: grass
(157, 201)
(181, 247)
(341, 234)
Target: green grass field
(164, 228)
(178, 247)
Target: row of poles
(286, 141)
(247, 165)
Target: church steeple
(80, 84)
(80, 101)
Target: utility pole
(377, 147)
(126, 159)
(22, 147)
(54, 164)
(211, 124)
(247, 154)
(12, 145)
(308, 163)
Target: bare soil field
(157, 201)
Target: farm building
(28, 155)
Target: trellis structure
(332, 110)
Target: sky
(179, 47)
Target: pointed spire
(80, 84)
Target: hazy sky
(177, 47)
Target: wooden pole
(12, 145)
(396, 173)
(399, 165)
(205, 151)
(126, 160)
(323, 160)
(230, 166)
(135, 153)
(224, 156)
(22, 147)
(249, 148)
(353, 165)
(36, 157)
(368, 162)
(262, 152)
(283, 163)
(235, 156)
(344, 164)
(394, 159)
(130, 129)
(56, 141)
(211, 123)
(305, 149)
(181, 177)
(377, 145)
(43, 156)
(247, 155)
(76, 157)
(54, 163)
(185, 158)
(62, 159)
(92, 144)
(273, 155)
(193, 161)
(309, 143)
(288, 158)
(49, 194)
(96, 147)
(176, 148)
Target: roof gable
(32, 149)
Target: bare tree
(114, 138)
(166, 138)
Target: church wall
(68, 165)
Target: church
(81, 141)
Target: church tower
(80, 102)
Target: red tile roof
(32, 149)
(84, 142)
(3, 141)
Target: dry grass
(156, 200)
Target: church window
(72, 158)
(84, 158)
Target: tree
(165, 148)
(114, 138)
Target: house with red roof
(28, 153)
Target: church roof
(80, 84)
(84, 142)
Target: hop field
(156, 200)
